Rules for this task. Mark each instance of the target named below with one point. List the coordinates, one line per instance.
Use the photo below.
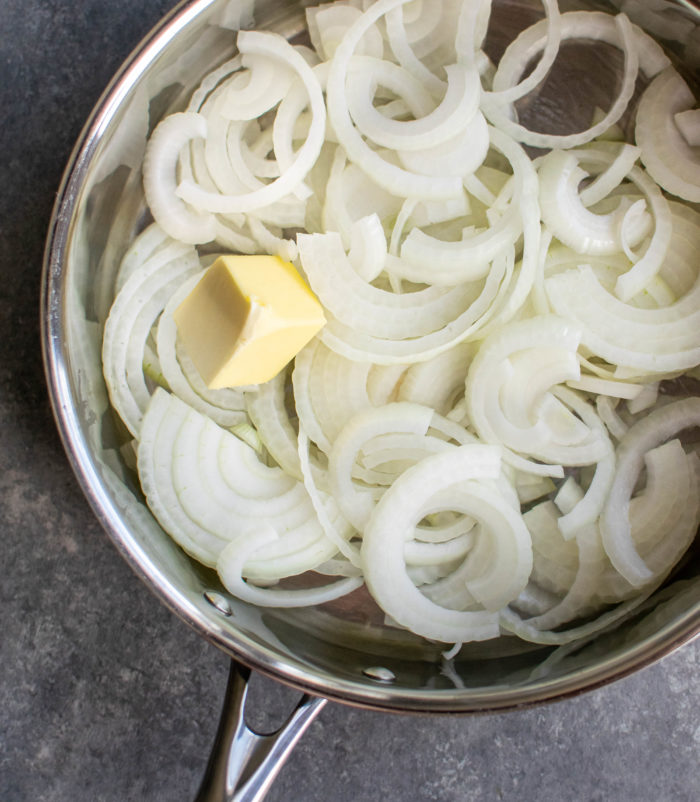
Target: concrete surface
(104, 694)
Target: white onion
(159, 183)
(495, 325)
(669, 159)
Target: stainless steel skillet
(332, 653)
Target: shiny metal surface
(327, 651)
(244, 763)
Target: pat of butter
(246, 318)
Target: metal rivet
(379, 674)
(218, 601)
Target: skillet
(333, 653)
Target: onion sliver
(476, 252)
(501, 90)
(509, 402)
(159, 182)
(266, 408)
(645, 269)
(356, 504)
(396, 180)
(206, 486)
(500, 118)
(564, 213)
(276, 47)
(669, 160)
(648, 340)
(132, 316)
(659, 426)
(457, 108)
(230, 567)
(399, 510)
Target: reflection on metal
(244, 763)
(379, 674)
(218, 601)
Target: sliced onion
(159, 183)
(500, 118)
(456, 472)
(669, 159)
(659, 426)
(396, 180)
(274, 46)
(230, 567)
(128, 326)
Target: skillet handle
(244, 763)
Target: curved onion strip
(134, 311)
(578, 599)
(456, 109)
(161, 423)
(356, 504)
(360, 346)
(334, 533)
(650, 340)
(368, 251)
(417, 553)
(328, 391)
(159, 182)
(401, 48)
(383, 382)
(277, 47)
(589, 507)
(266, 409)
(659, 426)
(610, 178)
(422, 249)
(506, 405)
(396, 180)
(436, 382)
(260, 86)
(212, 486)
(395, 515)
(505, 93)
(347, 184)
(151, 241)
(555, 560)
(472, 25)
(645, 268)
(597, 26)
(498, 117)
(366, 308)
(510, 621)
(327, 26)
(210, 82)
(615, 389)
(669, 160)
(461, 155)
(613, 422)
(367, 75)
(230, 567)
(657, 509)
(566, 216)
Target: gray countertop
(104, 694)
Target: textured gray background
(104, 695)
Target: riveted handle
(244, 763)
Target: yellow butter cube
(247, 317)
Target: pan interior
(341, 649)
